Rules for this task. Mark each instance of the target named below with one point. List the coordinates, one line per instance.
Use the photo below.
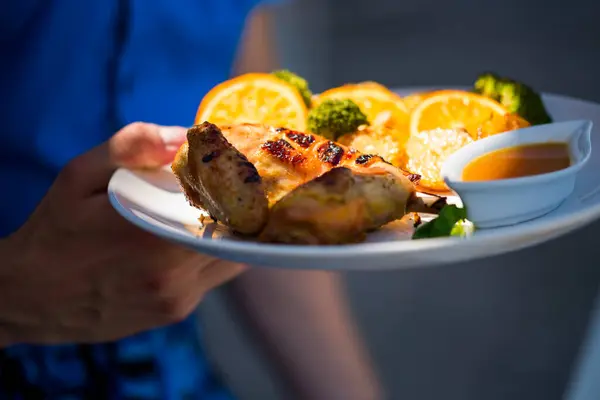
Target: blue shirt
(73, 73)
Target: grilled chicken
(285, 159)
(338, 207)
(319, 192)
(219, 179)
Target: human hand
(78, 272)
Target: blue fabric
(73, 72)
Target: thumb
(136, 146)
(143, 145)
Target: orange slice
(414, 99)
(454, 109)
(514, 121)
(254, 98)
(384, 109)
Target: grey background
(504, 328)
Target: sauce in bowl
(518, 161)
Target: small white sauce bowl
(496, 203)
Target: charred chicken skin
(285, 158)
(288, 186)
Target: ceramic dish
(153, 202)
(497, 203)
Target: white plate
(154, 202)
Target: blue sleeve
(16, 14)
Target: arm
(301, 316)
(306, 327)
(257, 52)
(58, 282)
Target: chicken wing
(219, 179)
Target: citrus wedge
(454, 109)
(254, 98)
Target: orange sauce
(518, 161)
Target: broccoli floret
(335, 117)
(486, 85)
(516, 96)
(524, 101)
(298, 82)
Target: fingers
(212, 276)
(142, 145)
(135, 311)
(179, 289)
(137, 145)
(171, 293)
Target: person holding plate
(90, 306)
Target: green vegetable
(516, 96)
(451, 221)
(298, 82)
(335, 117)
(486, 85)
(462, 228)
